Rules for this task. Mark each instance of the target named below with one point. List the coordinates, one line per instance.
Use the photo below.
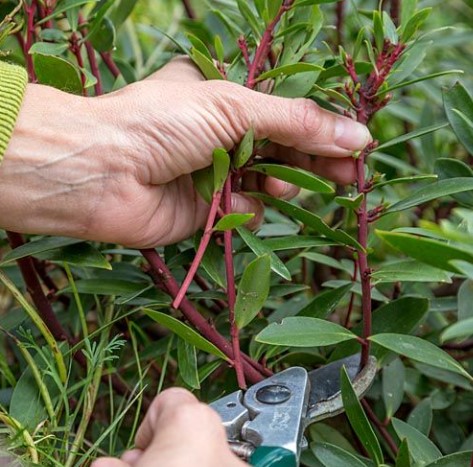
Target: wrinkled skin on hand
(117, 168)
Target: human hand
(178, 431)
(117, 168)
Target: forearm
(54, 167)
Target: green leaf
(253, 290)
(48, 48)
(325, 302)
(103, 36)
(465, 268)
(414, 23)
(121, 11)
(413, 178)
(310, 220)
(324, 433)
(260, 248)
(185, 332)
(422, 450)
(433, 191)
(409, 271)
(390, 31)
(408, 9)
(411, 135)
(219, 49)
(403, 458)
(358, 420)
(199, 45)
(421, 417)
(106, 287)
(458, 459)
(187, 363)
(299, 85)
(331, 456)
(231, 221)
(288, 70)
(27, 405)
(221, 166)
(402, 315)
(250, 18)
(420, 79)
(419, 350)
(434, 252)
(244, 149)
(300, 3)
(295, 242)
(83, 254)
(378, 30)
(299, 177)
(393, 386)
(458, 98)
(304, 332)
(461, 329)
(213, 261)
(38, 246)
(206, 66)
(57, 72)
(447, 168)
(464, 300)
(350, 203)
(203, 181)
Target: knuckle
(307, 114)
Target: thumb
(179, 430)
(298, 123)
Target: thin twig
(381, 428)
(231, 293)
(206, 329)
(264, 48)
(340, 20)
(204, 243)
(189, 9)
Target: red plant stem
(264, 48)
(94, 68)
(395, 11)
(365, 272)
(30, 11)
(188, 9)
(367, 104)
(75, 49)
(110, 63)
(340, 20)
(204, 242)
(352, 296)
(35, 290)
(380, 427)
(194, 317)
(243, 46)
(231, 293)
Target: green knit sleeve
(13, 81)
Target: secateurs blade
(265, 425)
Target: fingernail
(351, 135)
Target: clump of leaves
(385, 264)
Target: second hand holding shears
(265, 425)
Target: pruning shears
(265, 425)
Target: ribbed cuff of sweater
(13, 81)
